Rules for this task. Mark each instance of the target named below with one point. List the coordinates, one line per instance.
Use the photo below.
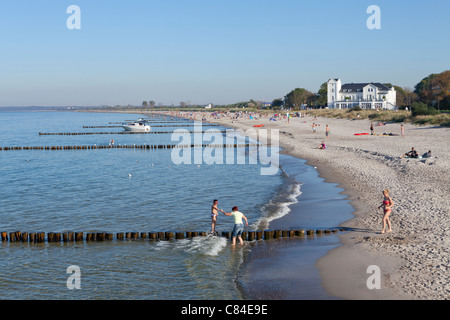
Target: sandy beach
(413, 258)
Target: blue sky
(202, 51)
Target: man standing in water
(238, 224)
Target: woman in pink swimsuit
(387, 206)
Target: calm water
(92, 190)
(126, 190)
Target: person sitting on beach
(427, 154)
(411, 154)
(238, 224)
(322, 145)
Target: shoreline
(413, 259)
(286, 269)
(334, 285)
(302, 253)
(329, 178)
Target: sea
(119, 190)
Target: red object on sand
(362, 134)
(258, 125)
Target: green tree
(401, 96)
(435, 90)
(322, 99)
(421, 109)
(277, 103)
(441, 90)
(297, 97)
(424, 89)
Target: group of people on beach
(238, 217)
(414, 154)
(327, 129)
(238, 221)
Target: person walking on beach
(387, 206)
(238, 224)
(327, 132)
(314, 127)
(214, 215)
(402, 129)
(371, 128)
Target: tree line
(432, 91)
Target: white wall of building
(368, 96)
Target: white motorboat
(137, 126)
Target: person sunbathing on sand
(427, 154)
(322, 145)
(387, 206)
(411, 154)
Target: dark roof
(357, 87)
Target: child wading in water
(387, 206)
(214, 215)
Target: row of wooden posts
(156, 121)
(160, 120)
(153, 125)
(120, 132)
(40, 237)
(131, 146)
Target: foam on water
(279, 205)
(206, 246)
(209, 245)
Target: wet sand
(284, 269)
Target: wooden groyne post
(120, 132)
(70, 236)
(130, 146)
